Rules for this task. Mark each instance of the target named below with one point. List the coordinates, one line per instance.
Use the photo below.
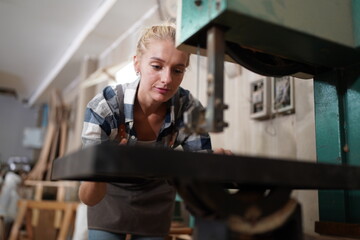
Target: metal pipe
(215, 80)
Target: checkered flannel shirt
(102, 119)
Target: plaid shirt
(102, 119)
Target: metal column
(337, 116)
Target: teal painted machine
(304, 38)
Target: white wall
(14, 117)
(289, 136)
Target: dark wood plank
(338, 229)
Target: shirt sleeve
(100, 121)
(192, 141)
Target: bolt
(222, 124)
(210, 78)
(218, 102)
(198, 2)
(218, 4)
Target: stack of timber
(55, 138)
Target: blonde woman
(153, 108)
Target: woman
(153, 108)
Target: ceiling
(42, 42)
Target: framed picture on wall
(260, 98)
(282, 95)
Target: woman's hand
(222, 151)
(91, 193)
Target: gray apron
(142, 209)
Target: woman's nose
(166, 76)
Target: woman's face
(162, 69)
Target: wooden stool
(25, 207)
(29, 210)
(60, 196)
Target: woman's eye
(156, 67)
(179, 70)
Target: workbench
(204, 189)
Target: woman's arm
(97, 129)
(91, 193)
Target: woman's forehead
(164, 50)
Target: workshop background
(59, 54)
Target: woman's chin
(161, 98)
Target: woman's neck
(148, 119)
(148, 108)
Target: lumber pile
(55, 139)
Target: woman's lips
(162, 90)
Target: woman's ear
(136, 64)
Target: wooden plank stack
(55, 139)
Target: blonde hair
(165, 31)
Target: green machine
(304, 38)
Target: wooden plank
(51, 205)
(66, 222)
(73, 184)
(60, 197)
(45, 229)
(338, 229)
(180, 231)
(28, 226)
(315, 236)
(53, 151)
(19, 220)
(38, 171)
(2, 228)
(64, 130)
(35, 212)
